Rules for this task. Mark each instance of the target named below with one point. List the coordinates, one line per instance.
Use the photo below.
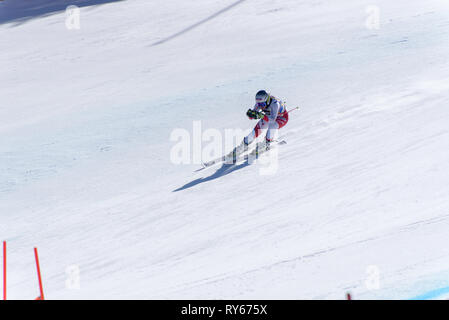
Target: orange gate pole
(4, 270)
(41, 297)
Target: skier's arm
(274, 109)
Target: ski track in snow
(85, 174)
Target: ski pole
(297, 108)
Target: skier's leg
(243, 147)
(273, 128)
(282, 119)
(271, 133)
(256, 132)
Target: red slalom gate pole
(4, 270)
(348, 296)
(41, 297)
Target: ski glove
(252, 114)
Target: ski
(212, 162)
(234, 154)
(259, 149)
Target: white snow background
(363, 183)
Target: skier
(272, 115)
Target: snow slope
(85, 171)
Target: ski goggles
(262, 104)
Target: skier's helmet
(262, 98)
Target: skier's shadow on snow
(222, 171)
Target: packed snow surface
(359, 203)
